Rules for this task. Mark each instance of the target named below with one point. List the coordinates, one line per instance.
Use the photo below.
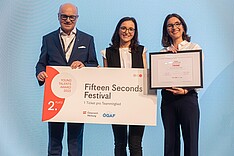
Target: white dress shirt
(67, 40)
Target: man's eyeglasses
(65, 17)
(124, 29)
(176, 25)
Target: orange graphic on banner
(52, 104)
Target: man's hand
(41, 76)
(77, 64)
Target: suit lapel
(75, 48)
(58, 44)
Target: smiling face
(126, 33)
(68, 15)
(175, 29)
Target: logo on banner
(137, 75)
(90, 113)
(108, 115)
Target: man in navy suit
(66, 46)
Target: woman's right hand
(172, 49)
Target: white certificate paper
(183, 69)
(98, 95)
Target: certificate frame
(182, 69)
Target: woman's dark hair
(166, 39)
(116, 38)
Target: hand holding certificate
(183, 69)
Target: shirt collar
(64, 34)
(184, 42)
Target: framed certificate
(181, 69)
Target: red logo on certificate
(52, 103)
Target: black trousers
(181, 113)
(74, 138)
(134, 139)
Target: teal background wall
(24, 22)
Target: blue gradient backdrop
(24, 22)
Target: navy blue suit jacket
(52, 53)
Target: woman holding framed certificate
(179, 106)
(125, 52)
